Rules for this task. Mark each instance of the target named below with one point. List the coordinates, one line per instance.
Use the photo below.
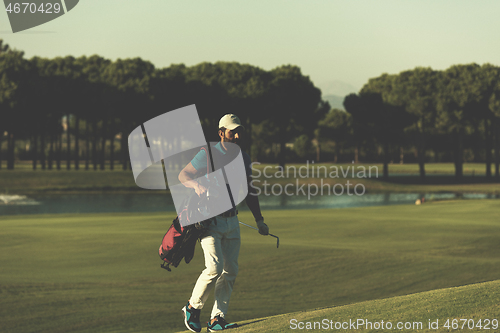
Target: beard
(233, 140)
(232, 146)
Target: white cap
(230, 121)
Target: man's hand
(186, 177)
(200, 189)
(263, 228)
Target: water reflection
(6, 199)
(129, 203)
(377, 199)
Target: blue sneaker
(192, 318)
(220, 324)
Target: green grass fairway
(26, 181)
(472, 308)
(394, 168)
(100, 272)
(403, 178)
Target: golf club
(277, 243)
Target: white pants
(221, 248)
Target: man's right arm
(186, 177)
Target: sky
(338, 44)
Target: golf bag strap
(210, 161)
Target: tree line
(424, 110)
(59, 104)
(80, 110)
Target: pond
(140, 202)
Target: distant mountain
(336, 102)
(334, 92)
(336, 87)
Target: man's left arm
(252, 201)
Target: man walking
(221, 244)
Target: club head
(277, 240)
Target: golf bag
(179, 242)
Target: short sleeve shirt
(199, 161)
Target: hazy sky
(339, 44)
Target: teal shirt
(199, 161)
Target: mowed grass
(100, 273)
(402, 178)
(26, 181)
(470, 308)
(396, 168)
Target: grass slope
(100, 272)
(431, 311)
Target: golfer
(221, 245)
